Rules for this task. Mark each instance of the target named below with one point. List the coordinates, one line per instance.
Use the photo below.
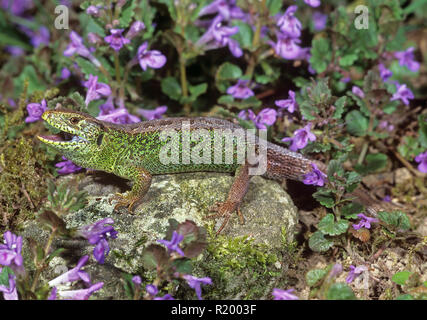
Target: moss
(22, 181)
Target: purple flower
(9, 292)
(116, 40)
(315, 177)
(16, 7)
(95, 89)
(74, 274)
(300, 138)
(365, 222)
(247, 115)
(335, 271)
(39, 37)
(165, 297)
(172, 245)
(403, 93)
(289, 24)
(15, 51)
(119, 116)
(65, 73)
(358, 92)
(10, 251)
(150, 58)
(355, 272)
(82, 294)
(136, 280)
(93, 38)
(313, 3)
(53, 294)
(289, 103)
(385, 73)
(287, 47)
(76, 46)
(234, 48)
(387, 198)
(240, 90)
(319, 21)
(280, 294)
(151, 289)
(92, 10)
(196, 283)
(67, 166)
(135, 29)
(98, 233)
(422, 159)
(406, 58)
(152, 114)
(223, 33)
(265, 117)
(226, 9)
(35, 111)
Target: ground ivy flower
(35, 111)
(358, 92)
(98, 233)
(225, 8)
(76, 46)
(9, 292)
(289, 24)
(280, 294)
(95, 89)
(74, 274)
(92, 10)
(403, 93)
(240, 90)
(10, 250)
(195, 283)
(365, 222)
(287, 47)
(315, 177)
(93, 38)
(67, 166)
(290, 104)
(385, 73)
(319, 21)
(355, 272)
(422, 160)
(247, 115)
(165, 297)
(152, 114)
(65, 73)
(16, 7)
(53, 294)
(135, 29)
(119, 116)
(136, 280)
(300, 138)
(39, 37)
(313, 3)
(173, 244)
(150, 58)
(406, 58)
(82, 294)
(265, 117)
(151, 289)
(116, 40)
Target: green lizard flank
(134, 152)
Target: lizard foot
(128, 201)
(225, 209)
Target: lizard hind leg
(234, 199)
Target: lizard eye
(74, 120)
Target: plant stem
(184, 88)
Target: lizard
(133, 151)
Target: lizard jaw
(56, 140)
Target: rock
(268, 210)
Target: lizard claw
(128, 201)
(225, 209)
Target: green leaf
(357, 124)
(171, 87)
(339, 107)
(335, 167)
(183, 266)
(405, 296)
(228, 71)
(374, 162)
(325, 198)
(274, 6)
(340, 291)
(395, 219)
(4, 276)
(34, 82)
(351, 210)
(198, 90)
(319, 243)
(88, 68)
(154, 256)
(245, 34)
(308, 110)
(127, 13)
(320, 54)
(313, 277)
(328, 225)
(401, 277)
(348, 60)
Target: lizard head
(80, 133)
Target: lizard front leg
(142, 182)
(234, 199)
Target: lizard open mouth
(63, 138)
